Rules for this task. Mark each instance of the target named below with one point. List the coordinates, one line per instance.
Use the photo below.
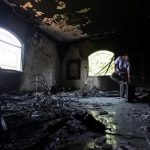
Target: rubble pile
(94, 92)
(35, 121)
(66, 120)
(142, 94)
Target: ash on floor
(69, 121)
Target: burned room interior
(57, 59)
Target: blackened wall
(41, 58)
(125, 42)
(40, 53)
(10, 79)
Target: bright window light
(101, 63)
(10, 51)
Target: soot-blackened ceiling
(74, 19)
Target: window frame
(89, 63)
(22, 51)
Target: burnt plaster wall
(73, 54)
(82, 51)
(40, 55)
(11, 80)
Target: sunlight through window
(10, 51)
(101, 63)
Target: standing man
(121, 74)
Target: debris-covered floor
(69, 121)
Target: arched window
(101, 63)
(10, 51)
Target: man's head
(125, 56)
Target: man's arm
(128, 73)
(116, 62)
(116, 66)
